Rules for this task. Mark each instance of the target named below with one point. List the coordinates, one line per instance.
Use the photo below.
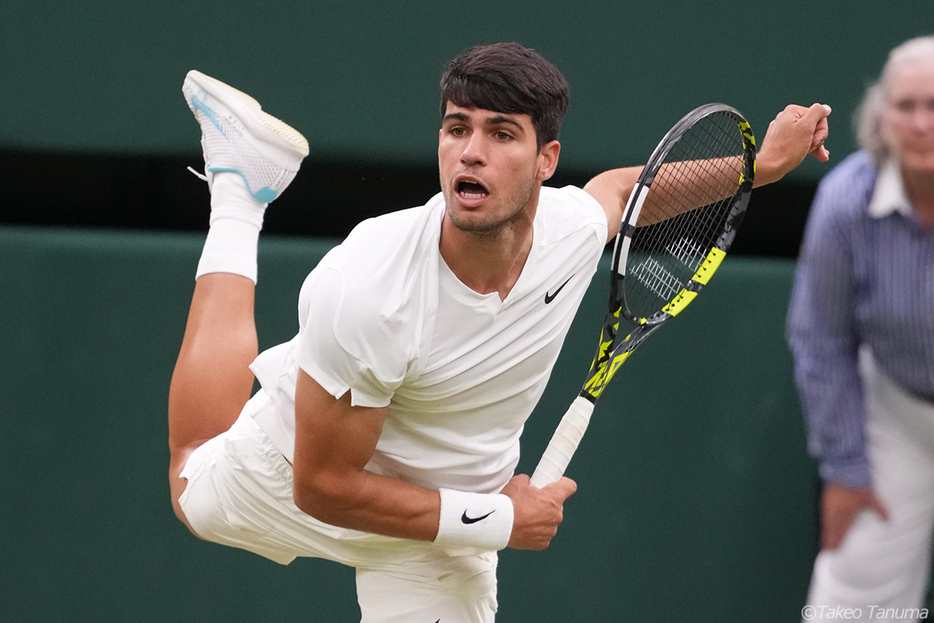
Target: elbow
(310, 498)
(320, 498)
(306, 500)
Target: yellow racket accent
(747, 132)
(614, 366)
(601, 377)
(606, 341)
(707, 268)
(681, 301)
(751, 140)
(603, 367)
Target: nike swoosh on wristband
(550, 297)
(470, 520)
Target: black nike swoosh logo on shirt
(470, 520)
(549, 297)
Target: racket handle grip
(563, 443)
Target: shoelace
(200, 176)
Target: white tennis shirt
(383, 317)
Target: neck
(490, 261)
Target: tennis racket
(679, 222)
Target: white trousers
(239, 494)
(881, 570)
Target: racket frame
(613, 351)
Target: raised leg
(211, 381)
(250, 157)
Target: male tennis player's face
(908, 120)
(491, 168)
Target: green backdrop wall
(696, 497)
(360, 78)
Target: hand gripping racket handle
(563, 443)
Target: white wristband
(478, 521)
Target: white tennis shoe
(237, 136)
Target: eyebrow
(495, 120)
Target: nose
(474, 152)
(922, 117)
(927, 114)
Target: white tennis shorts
(239, 493)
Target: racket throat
(628, 226)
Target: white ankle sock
(233, 236)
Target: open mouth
(471, 190)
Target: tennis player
(386, 433)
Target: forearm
(362, 500)
(677, 188)
(336, 441)
(391, 507)
(791, 136)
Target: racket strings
(685, 212)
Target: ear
(548, 160)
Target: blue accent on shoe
(265, 195)
(208, 113)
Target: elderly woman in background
(861, 327)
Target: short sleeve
(320, 353)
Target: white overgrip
(563, 443)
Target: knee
(177, 508)
(177, 489)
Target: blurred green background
(697, 499)
(94, 131)
(360, 78)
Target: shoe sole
(271, 137)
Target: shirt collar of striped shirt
(889, 195)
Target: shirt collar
(889, 195)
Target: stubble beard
(494, 228)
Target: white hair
(869, 113)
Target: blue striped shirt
(865, 277)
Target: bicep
(333, 440)
(333, 443)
